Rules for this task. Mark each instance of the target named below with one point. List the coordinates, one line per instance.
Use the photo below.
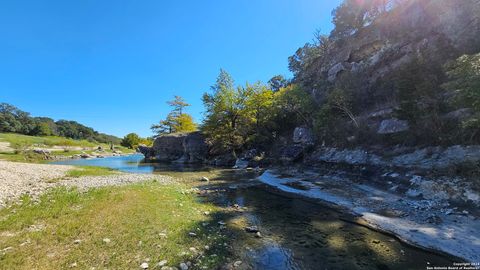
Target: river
(297, 234)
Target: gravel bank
(17, 179)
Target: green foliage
(42, 129)
(251, 115)
(464, 79)
(352, 15)
(177, 120)
(131, 140)
(294, 106)
(226, 113)
(14, 120)
(277, 82)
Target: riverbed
(295, 234)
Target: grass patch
(142, 222)
(90, 171)
(19, 139)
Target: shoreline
(456, 236)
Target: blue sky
(112, 65)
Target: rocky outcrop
(180, 147)
(397, 36)
(429, 158)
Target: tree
(352, 15)
(464, 79)
(42, 129)
(225, 119)
(293, 101)
(176, 120)
(277, 82)
(178, 104)
(131, 140)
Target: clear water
(296, 234)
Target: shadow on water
(295, 234)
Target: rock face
(181, 148)
(426, 158)
(383, 46)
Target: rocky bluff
(189, 148)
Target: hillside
(387, 68)
(14, 120)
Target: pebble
(192, 234)
(77, 241)
(106, 240)
(237, 263)
(205, 179)
(22, 178)
(144, 265)
(162, 263)
(183, 266)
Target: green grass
(143, 221)
(90, 171)
(18, 140)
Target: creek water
(296, 234)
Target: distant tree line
(14, 120)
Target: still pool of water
(296, 234)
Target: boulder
(292, 153)
(146, 151)
(224, 160)
(180, 148)
(303, 135)
(195, 149)
(393, 125)
(168, 148)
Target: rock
(192, 234)
(240, 164)
(41, 151)
(237, 263)
(258, 235)
(144, 265)
(106, 240)
(205, 179)
(77, 241)
(224, 160)
(413, 193)
(334, 70)
(251, 229)
(392, 125)
(460, 114)
(292, 153)
(180, 148)
(303, 136)
(72, 265)
(146, 151)
(183, 266)
(162, 263)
